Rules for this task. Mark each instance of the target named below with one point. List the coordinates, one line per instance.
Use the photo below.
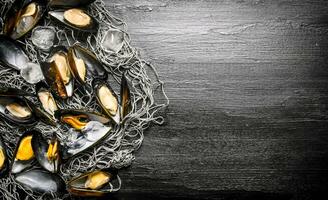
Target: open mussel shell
(84, 63)
(80, 141)
(75, 18)
(4, 163)
(57, 73)
(17, 110)
(96, 183)
(125, 97)
(46, 152)
(23, 16)
(78, 119)
(41, 114)
(23, 156)
(108, 100)
(12, 54)
(69, 4)
(46, 99)
(40, 181)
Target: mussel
(40, 181)
(84, 63)
(125, 97)
(42, 115)
(57, 73)
(46, 152)
(24, 156)
(79, 141)
(69, 4)
(23, 16)
(17, 110)
(12, 54)
(3, 158)
(46, 99)
(75, 18)
(108, 100)
(78, 119)
(96, 183)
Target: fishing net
(147, 96)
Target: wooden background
(247, 82)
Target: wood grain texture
(247, 82)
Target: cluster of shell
(36, 158)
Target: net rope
(116, 151)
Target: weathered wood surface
(247, 82)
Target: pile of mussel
(37, 158)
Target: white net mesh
(117, 150)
